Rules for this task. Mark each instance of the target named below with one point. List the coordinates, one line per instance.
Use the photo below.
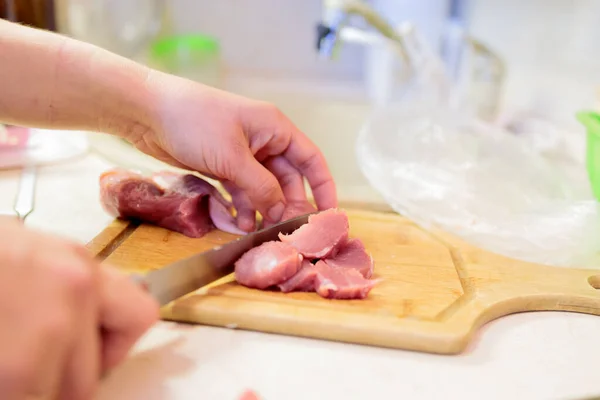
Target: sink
(332, 124)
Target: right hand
(64, 320)
(251, 147)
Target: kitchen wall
(267, 37)
(550, 46)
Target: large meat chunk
(267, 265)
(219, 209)
(183, 203)
(353, 255)
(129, 195)
(341, 283)
(321, 236)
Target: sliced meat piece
(291, 211)
(130, 195)
(353, 255)
(320, 237)
(303, 281)
(220, 210)
(341, 283)
(296, 209)
(267, 265)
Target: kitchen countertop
(546, 355)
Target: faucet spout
(337, 14)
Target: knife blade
(187, 275)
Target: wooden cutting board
(436, 290)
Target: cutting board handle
(566, 289)
(594, 281)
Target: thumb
(261, 187)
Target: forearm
(51, 81)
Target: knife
(187, 275)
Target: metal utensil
(185, 276)
(24, 202)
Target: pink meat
(341, 283)
(183, 203)
(291, 211)
(353, 255)
(219, 209)
(320, 237)
(267, 265)
(296, 209)
(129, 195)
(303, 281)
(249, 395)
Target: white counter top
(528, 356)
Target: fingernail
(276, 212)
(246, 224)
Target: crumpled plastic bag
(490, 186)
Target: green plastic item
(169, 46)
(192, 56)
(591, 120)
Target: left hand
(250, 146)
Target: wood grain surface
(436, 290)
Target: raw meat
(291, 211)
(343, 266)
(249, 395)
(219, 208)
(126, 194)
(353, 255)
(267, 265)
(183, 203)
(321, 236)
(303, 281)
(341, 283)
(296, 209)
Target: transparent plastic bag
(492, 187)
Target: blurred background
(424, 106)
(549, 47)
(512, 63)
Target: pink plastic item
(13, 137)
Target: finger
(308, 159)
(269, 131)
(35, 343)
(272, 133)
(246, 214)
(261, 187)
(126, 313)
(83, 368)
(63, 282)
(292, 183)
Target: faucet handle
(323, 33)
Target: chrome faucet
(482, 82)
(334, 27)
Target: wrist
(52, 81)
(125, 97)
